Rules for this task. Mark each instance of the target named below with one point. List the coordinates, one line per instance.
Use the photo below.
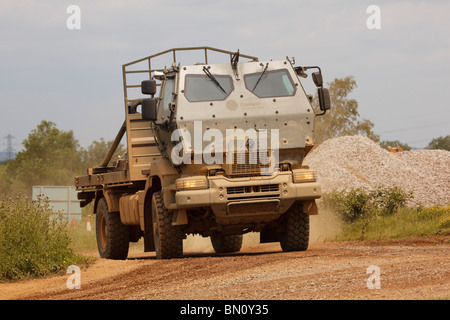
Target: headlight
(304, 176)
(192, 183)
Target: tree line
(51, 157)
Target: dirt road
(409, 269)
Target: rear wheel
(295, 236)
(168, 240)
(226, 243)
(112, 234)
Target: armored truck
(213, 149)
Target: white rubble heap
(350, 162)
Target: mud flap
(149, 242)
(310, 207)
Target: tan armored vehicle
(212, 149)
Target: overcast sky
(74, 77)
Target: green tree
(96, 152)
(442, 143)
(3, 178)
(394, 143)
(343, 118)
(50, 157)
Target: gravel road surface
(408, 269)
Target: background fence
(61, 198)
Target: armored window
(199, 87)
(277, 83)
(166, 98)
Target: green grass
(382, 214)
(407, 223)
(34, 241)
(81, 239)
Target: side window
(166, 99)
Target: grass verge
(34, 241)
(406, 223)
(382, 214)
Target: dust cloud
(199, 244)
(323, 227)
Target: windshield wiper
(259, 79)
(206, 71)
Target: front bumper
(252, 199)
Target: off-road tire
(226, 243)
(295, 236)
(168, 239)
(112, 234)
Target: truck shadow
(190, 255)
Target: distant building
(62, 198)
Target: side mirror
(149, 109)
(317, 78)
(324, 99)
(148, 87)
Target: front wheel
(295, 236)
(167, 238)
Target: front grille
(269, 188)
(245, 164)
(235, 190)
(253, 189)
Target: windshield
(203, 88)
(277, 83)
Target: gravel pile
(358, 162)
